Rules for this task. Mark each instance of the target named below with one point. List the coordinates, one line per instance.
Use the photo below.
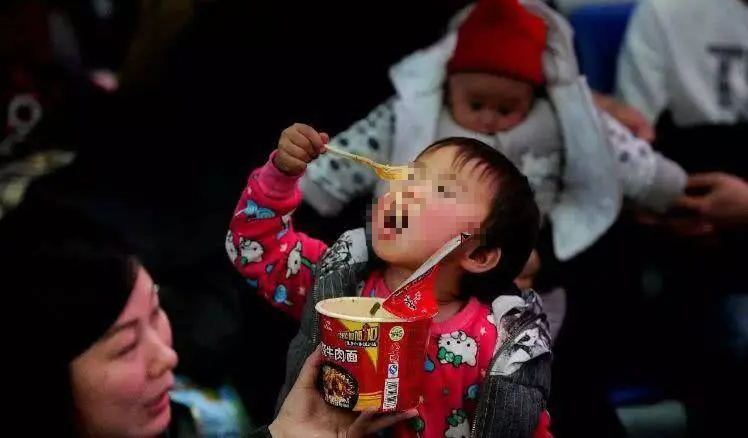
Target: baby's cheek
(511, 121)
(468, 120)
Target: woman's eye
(476, 106)
(127, 349)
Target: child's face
(416, 217)
(488, 103)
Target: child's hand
(297, 147)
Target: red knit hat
(501, 36)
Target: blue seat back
(598, 33)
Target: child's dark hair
(513, 222)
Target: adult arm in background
(305, 414)
(643, 63)
(626, 115)
(647, 177)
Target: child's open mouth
(396, 217)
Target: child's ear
(480, 259)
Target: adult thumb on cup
(310, 370)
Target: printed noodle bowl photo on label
(338, 386)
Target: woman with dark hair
(94, 352)
(99, 346)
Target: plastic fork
(384, 171)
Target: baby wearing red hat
(496, 70)
(508, 76)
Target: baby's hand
(297, 147)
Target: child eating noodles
(488, 361)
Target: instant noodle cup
(371, 361)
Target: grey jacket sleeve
(518, 383)
(647, 177)
(331, 182)
(518, 401)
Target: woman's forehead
(142, 297)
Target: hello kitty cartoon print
(458, 425)
(251, 251)
(230, 247)
(286, 220)
(296, 260)
(457, 348)
(264, 247)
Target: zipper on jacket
(483, 394)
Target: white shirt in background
(688, 56)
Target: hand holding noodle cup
(374, 349)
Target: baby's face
(487, 103)
(416, 217)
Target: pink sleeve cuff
(275, 183)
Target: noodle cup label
(370, 362)
(415, 297)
